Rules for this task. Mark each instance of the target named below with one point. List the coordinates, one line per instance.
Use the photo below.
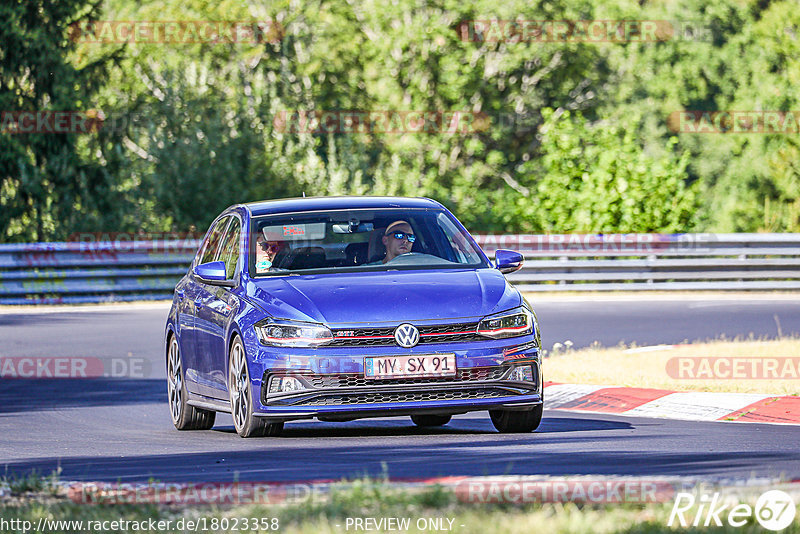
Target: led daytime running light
(518, 322)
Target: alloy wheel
(240, 392)
(174, 381)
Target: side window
(212, 243)
(459, 246)
(229, 253)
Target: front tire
(241, 393)
(507, 421)
(184, 416)
(431, 420)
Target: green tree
(192, 127)
(597, 178)
(729, 56)
(46, 185)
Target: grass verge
(693, 368)
(430, 509)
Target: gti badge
(406, 335)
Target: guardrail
(635, 262)
(77, 272)
(80, 272)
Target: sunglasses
(402, 235)
(269, 247)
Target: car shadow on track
(402, 429)
(48, 394)
(402, 426)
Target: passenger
(265, 253)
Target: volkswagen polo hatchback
(349, 307)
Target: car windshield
(359, 240)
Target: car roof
(287, 205)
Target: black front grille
(448, 328)
(370, 337)
(447, 338)
(369, 342)
(470, 374)
(354, 388)
(406, 396)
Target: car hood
(384, 297)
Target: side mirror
(213, 273)
(508, 261)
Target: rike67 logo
(774, 510)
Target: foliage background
(579, 138)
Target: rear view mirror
(352, 227)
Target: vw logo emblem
(406, 335)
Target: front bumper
(482, 382)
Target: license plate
(410, 366)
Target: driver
(398, 239)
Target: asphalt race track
(118, 428)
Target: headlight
(292, 333)
(516, 322)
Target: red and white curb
(690, 406)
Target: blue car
(349, 307)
